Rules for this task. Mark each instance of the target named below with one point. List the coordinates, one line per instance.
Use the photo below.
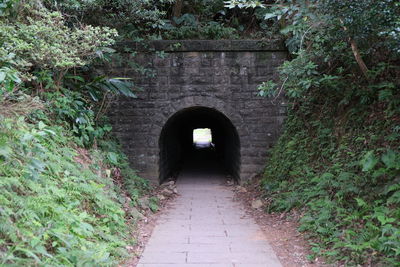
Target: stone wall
(221, 75)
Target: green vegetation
(66, 188)
(63, 200)
(340, 169)
(338, 160)
(64, 181)
(166, 19)
(211, 19)
(59, 205)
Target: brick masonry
(221, 74)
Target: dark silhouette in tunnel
(177, 150)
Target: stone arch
(217, 74)
(175, 139)
(181, 103)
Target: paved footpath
(205, 227)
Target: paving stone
(187, 265)
(163, 257)
(188, 248)
(167, 240)
(210, 231)
(261, 247)
(242, 232)
(244, 258)
(256, 265)
(209, 257)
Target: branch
(358, 57)
(280, 91)
(356, 53)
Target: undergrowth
(60, 204)
(339, 165)
(67, 194)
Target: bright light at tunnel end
(202, 136)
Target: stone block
(223, 75)
(161, 61)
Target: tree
(328, 34)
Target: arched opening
(179, 148)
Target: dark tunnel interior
(177, 149)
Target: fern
(346, 186)
(54, 211)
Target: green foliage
(7, 7)
(63, 184)
(75, 113)
(331, 38)
(39, 66)
(100, 86)
(342, 173)
(138, 19)
(132, 18)
(153, 204)
(9, 80)
(244, 3)
(187, 27)
(59, 47)
(298, 76)
(130, 181)
(58, 207)
(337, 160)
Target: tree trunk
(358, 57)
(177, 9)
(356, 53)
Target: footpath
(205, 227)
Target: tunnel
(177, 147)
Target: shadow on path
(204, 225)
(202, 166)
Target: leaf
(50, 131)
(269, 16)
(41, 125)
(94, 96)
(384, 220)
(389, 159)
(5, 151)
(81, 120)
(113, 158)
(26, 137)
(391, 188)
(75, 77)
(369, 161)
(28, 253)
(386, 94)
(2, 76)
(360, 202)
(122, 87)
(37, 164)
(395, 198)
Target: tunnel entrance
(179, 146)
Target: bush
(58, 207)
(25, 56)
(342, 174)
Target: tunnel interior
(177, 147)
